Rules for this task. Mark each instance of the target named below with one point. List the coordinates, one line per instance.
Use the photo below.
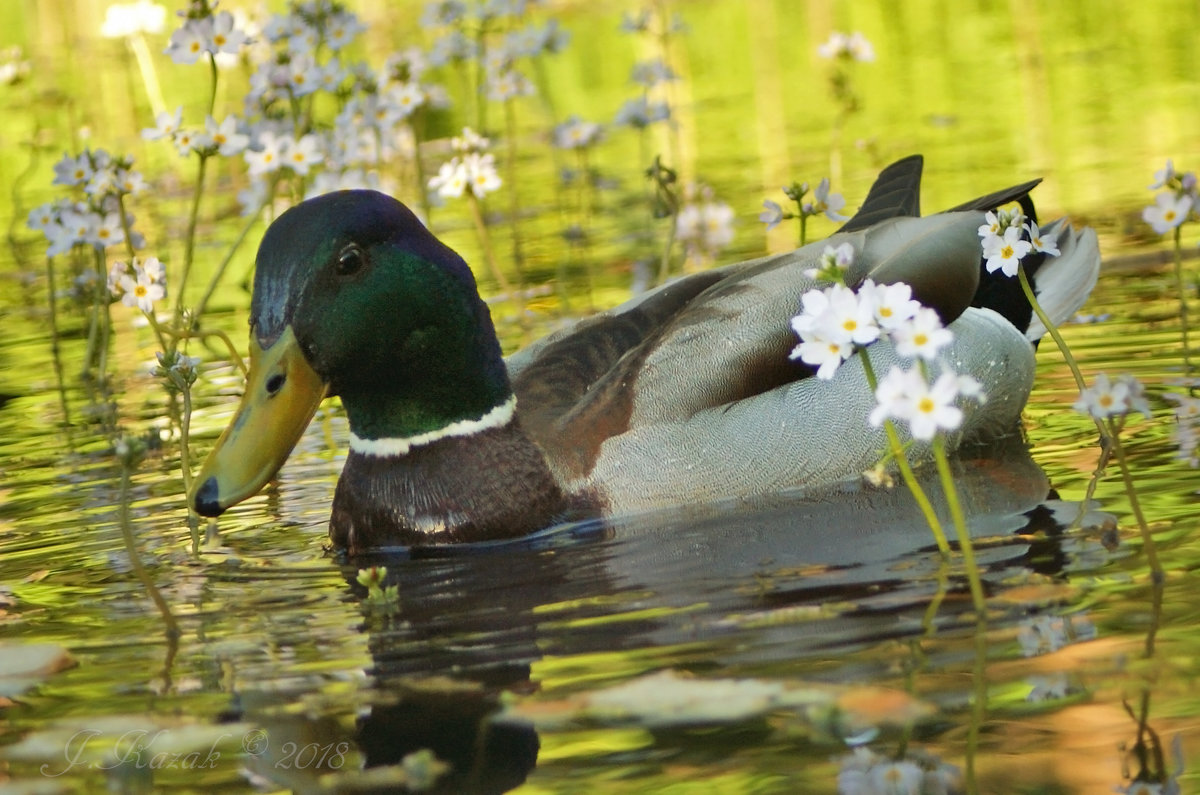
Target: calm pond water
(740, 647)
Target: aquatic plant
(824, 202)
(836, 322)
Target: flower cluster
(205, 32)
(865, 772)
(96, 218)
(836, 321)
(14, 66)
(1113, 398)
(852, 47)
(177, 370)
(704, 225)
(139, 283)
(1175, 203)
(472, 169)
(575, 133)
(824, 202)
(1008, 237)
(651, 75)
(465, 38)
(1187, 426)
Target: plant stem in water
(1148, 545)
(960, 523)
(906, 471)
(136, 562)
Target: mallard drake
(685, 394)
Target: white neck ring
(497, 417)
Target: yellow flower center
(1006, 252)
(925, 405)
(920, 339)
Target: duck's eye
(275, 383)
(350, 260)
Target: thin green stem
(514, 202)
(251, 220)
(896, 447)
(1148, 545)
(1027, 288)
(803, 216)
(186, 467)
(978, 700)
(189, 244)
(136, 562)
(485, 242)
(54, 346)
(212, 71)
(960, 522)
(187, 334)
(1183, 304)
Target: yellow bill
(282, 394)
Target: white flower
(826, 202)
(72, 171)
(641, 112)
(165, 125)
(155, 271)
(1039, 243)
(894, 304)
(61, 237)
(42, 216)
(267, 158)
(771, 215)
(1187, 426)
(824, 353)
(298, 155)
(141, 292)
(855, 47)
(109, 231)
(830, 324)
(860, 48)
(482, 178)
(923, 335)
(508, 84)
(897, 778)
(225, 136)
(904, 395)
(1163, 176)
(191, 41)
(451, 180)
(405, 98)
(225, 36)
(303, 74)
(1109, 398)
(469, 141)
(852, 314)
(1168, 212)
(705, 228)
(1005, 253)
(575, 133)
(115, 272)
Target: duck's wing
(896, 193)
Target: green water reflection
(1092, 96)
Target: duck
(683, 395)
